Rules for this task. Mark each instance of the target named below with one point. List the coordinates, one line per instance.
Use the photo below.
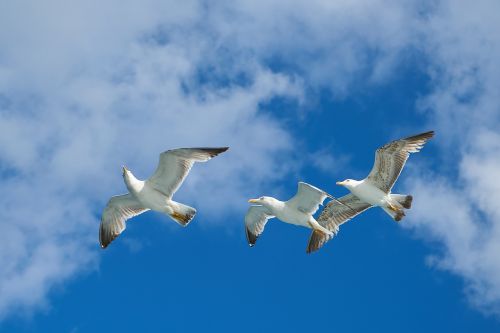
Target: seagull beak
(124, 169)
(253, 201)
(340, 183)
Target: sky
(299, 91)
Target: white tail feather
(182, 214)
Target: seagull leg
(398, 213)
(392, 207)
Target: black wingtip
(101, 243)
(426, 135)
(105, 238)
(251, 238)
(221, 149)
(214, 151)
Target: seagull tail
(182, 214)
(397, 205)
(403, 199)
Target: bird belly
(370, 194)
(293, 217)
(153, 199)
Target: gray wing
(174, 165)
(255, 221)
(118, 210)
(333, 216)
(307, 199)
(391, 158)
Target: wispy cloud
(81, 94)
(80, 97)
(458, 205)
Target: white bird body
(155, 193)
(299, 210)
(292, 216)
(369, 193)
(287, 214)
(147, 195)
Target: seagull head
(264, 201)
(125, 170)
(349, 183)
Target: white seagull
(299, 210)
(374, 190)
(155, 193)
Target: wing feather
(334, 215)
(255, 221)
(391, 158)
(307, 199)
(118, 210)
(174, 166)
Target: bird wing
(333, 216)
(118, 210)
(255, 221)
(391, 158)
(174, 165)
(307, 199)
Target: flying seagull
(155, 193)
(374, 190)
(299, 210)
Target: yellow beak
(124, 168)
(253, 201)
(340, 183)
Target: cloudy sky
(300, 90)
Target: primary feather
(391, 158)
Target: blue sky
(300, 92)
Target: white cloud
(83, 94)
(458, 207)
(467, 237)
(334, 44)
(85, 87)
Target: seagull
(299, 210)
(155, 193)
(374, 190)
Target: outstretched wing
(175, 164)
(255, 221)
(333, 216)
(391, 158)
(118, 210)
(307, 199)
